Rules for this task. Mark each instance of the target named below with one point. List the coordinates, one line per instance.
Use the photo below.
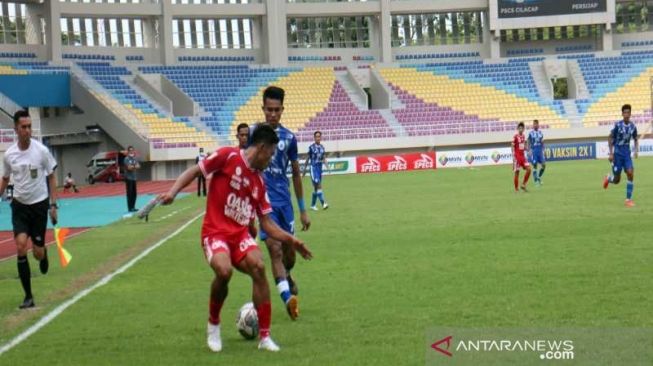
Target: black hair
(20, 114)
(242, 125)
(521, 124)
(316, 132)
(626, 107)
(264, 134)
(536, 121)
(275, 93)
(130, 147)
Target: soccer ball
(247, 321)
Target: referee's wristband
(301, 205)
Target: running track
(8, 248)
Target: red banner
(395, 163)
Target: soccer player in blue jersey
(282, 255)
(316, 158)
(619, 144)
(536, 151)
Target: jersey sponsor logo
(398, 164)
(245, 244)
(426, 162)
(372, 165)
(236, 180)
(238, 209)
(282, 145)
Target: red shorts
(236, 246)
(520, 162)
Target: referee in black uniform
(31, 167)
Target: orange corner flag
(60, 237)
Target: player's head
(242, 134)
(536, 124)
(201, 150)
(262, 146)
(273, 105)
(520, 127)
(625, 112)
(317, 136)
(23, 125)
(130, 150)
(70, 175)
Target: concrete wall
(151, 86)
(618, 39)
(379, 91)
(182, 104)
(106, 119)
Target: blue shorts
(284, 217)
(316, 174)
(537, 157)
(620, 163)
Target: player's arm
(52, 186)
(512, 149)
(5, 176)
(611, 147)
(186, 178)
(636, 138)
(308, 159)
(273, 231)
(299, 194)
(297, 184)
(3, 185)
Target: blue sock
(320, 195)
(314, 199)
(535, 176)
(284, 288)
(541, 173)
(629, 189)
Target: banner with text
(395, 163)
(645, 148)
(536, 8)
(336, 166)
(470, 158)
(579, 151)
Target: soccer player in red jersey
(236, 193)
(519, 157)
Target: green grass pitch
(395, 255)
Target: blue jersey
(276, 180)
(536, 140)
(316, 154)
(621, 135)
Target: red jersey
(519, 143)
(236, 193)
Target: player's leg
(630, 185)
(617, 167)
(24, 272)
(37, 228)
(21, 223)
(318, 187)
(275, 250)
(543, 164)
(220, 262)
(516, 180)
(254, 266)
(527, 167)
(314, 182)
(536, 176)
